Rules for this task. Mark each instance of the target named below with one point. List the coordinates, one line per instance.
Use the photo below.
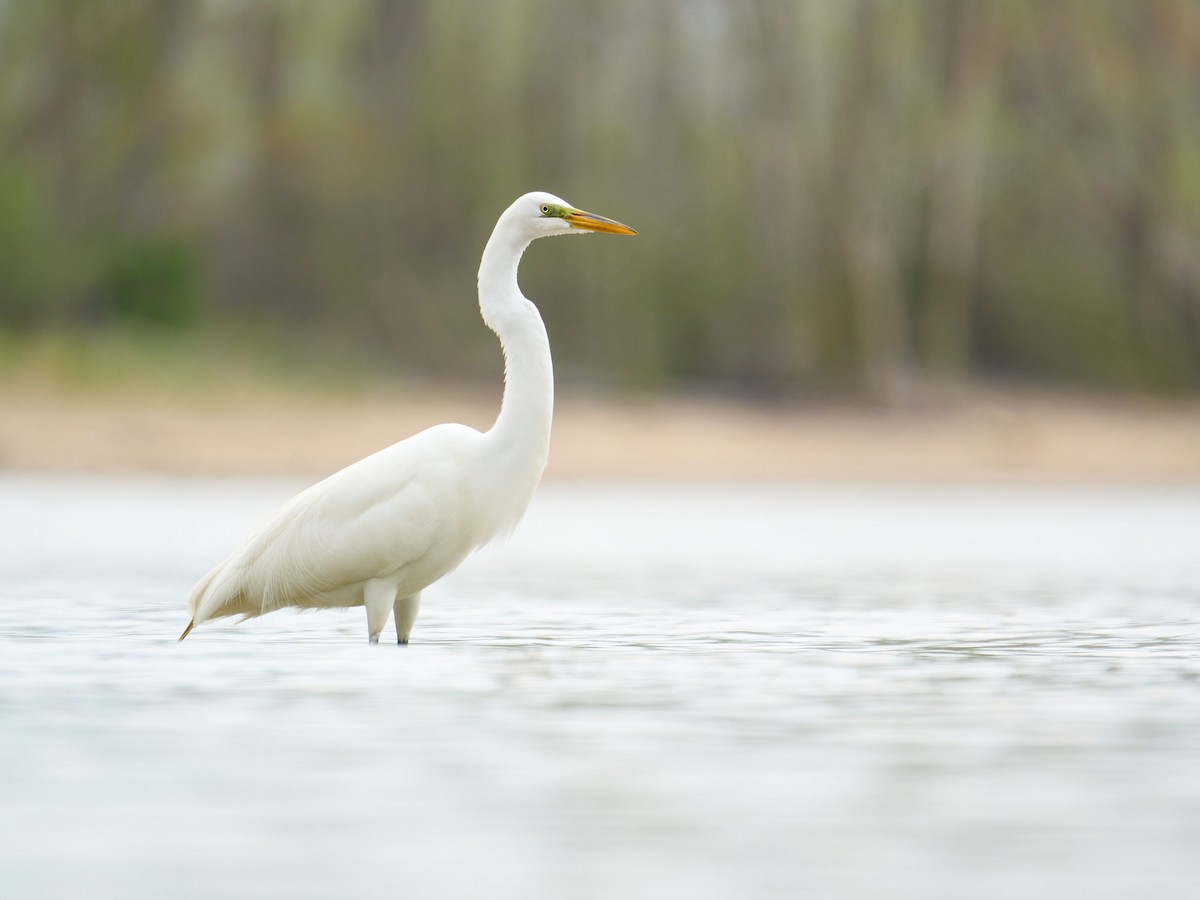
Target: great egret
(381, 530)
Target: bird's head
(542, 214)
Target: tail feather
(219, 594)
(188, 630)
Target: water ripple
(704, 722)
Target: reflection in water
(651, 692)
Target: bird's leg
(405, 609)
(377, 598)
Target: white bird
(381, 530)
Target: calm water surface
(650, 692)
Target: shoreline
(987, 436)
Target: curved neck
(522, 430)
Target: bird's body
(381, 530)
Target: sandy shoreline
(1023, 438)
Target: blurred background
(913, 321)
(866, 202)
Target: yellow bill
(587, 221)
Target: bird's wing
(366, 521)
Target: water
(650, 692)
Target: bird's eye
(545, 209)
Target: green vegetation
(154, 280)
(205, 365)
(854, 196)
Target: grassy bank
(221, 404)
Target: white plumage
(381, 530)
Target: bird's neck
(522, 430)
